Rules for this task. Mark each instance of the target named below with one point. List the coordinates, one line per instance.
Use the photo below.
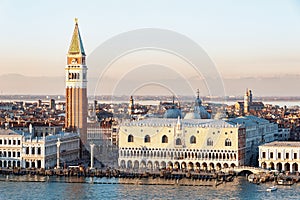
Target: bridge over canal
(239, 169)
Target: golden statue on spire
(76, 20)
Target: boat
(285, 182)
(271, 189)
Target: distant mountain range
(285, 85)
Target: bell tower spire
(76, 86)
(76, 46)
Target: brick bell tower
(76, 87)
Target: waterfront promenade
(138, 177)
(162, 177)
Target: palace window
(147, 139)
(209, 142)
(164, 139)
(193, 140)
(279, 156)
(295, 155)
(178, 141)
(130, 138)
(39, 150)
(271, 155)
(227, 142)
(263, 154)
(287, 155)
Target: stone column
(92, 155)
(57, 153)
(23, 163)
(43, 163)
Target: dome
(172, 113)
(198, 102)
(192, 115)
(199, 111)
(203, 113)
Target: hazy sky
(243, 38)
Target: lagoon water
(57, 188)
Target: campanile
(76, 87)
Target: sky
(243, 38)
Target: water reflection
(239, 189)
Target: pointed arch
(209, 142)
(178, 141)
(164, 139)
(227, 142)
(147, 139)
(193, 139)
(130, 138)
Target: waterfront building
(76, 86)
(158, 143)
(280, 155)
(23, 150)
(36, 129)
(42, 152)
(258, 132)
(10, 148)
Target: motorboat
(271, 189)
(285, 182)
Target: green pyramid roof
(76, 46)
